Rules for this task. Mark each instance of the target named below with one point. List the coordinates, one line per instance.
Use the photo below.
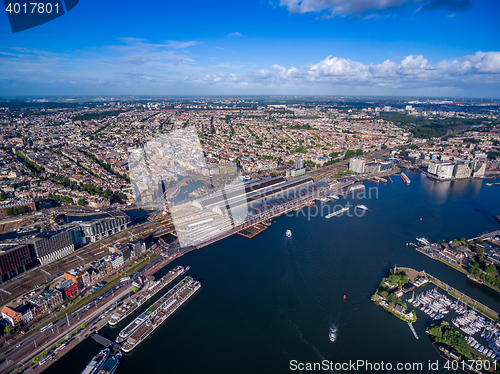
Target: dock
(252, 231)
(379, 180)
(105, 342)
(413, 330)
(390, 178)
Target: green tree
(480, 251)
(135, 289)
(490, 269)
(44, 354)
(35, 359)
(82, 202)
(7, 328)
(82, 325)
(3, 195)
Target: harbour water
(271, 299)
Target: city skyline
(440, 48)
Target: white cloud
(234, 34)
(180, 45)
(339, 7)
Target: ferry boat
(423, 241)
(96, 363)
(288, 234)
(161, 310)
(335, 197)
(332, 334)
(340, 211)
(128, 308)
(111, 365)
(362, 207)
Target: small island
(389, 292)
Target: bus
(46, 327)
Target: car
(20, 344)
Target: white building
(357, 164)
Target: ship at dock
(111, 365)
(96, 363)
(129, 307)
(160, 311)
(340, 211)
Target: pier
(413, 330)
(105, 342)
(390, 178)
(252, 231)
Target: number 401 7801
(32, 8)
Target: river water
(269, 300)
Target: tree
(490, 269)
(480, 251)
(82, 325)
(3, 195)
(7, 328)
(44, 354)
(35, 359)
(135, 289)
(82, 202)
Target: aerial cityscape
(201, 196)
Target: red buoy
(421, 219)
(344, 297)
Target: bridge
(105, 342)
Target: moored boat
(96, 363)
(111, 365)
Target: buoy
(344, 297)
(421, 219)
(477, 208)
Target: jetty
(105, 342)
(379, 180)
(413, 330)
(252, 231)
(389, 178)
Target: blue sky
(244, 47)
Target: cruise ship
(96, 363)
(362, 207)
(161, 310)
(111, 365)
(128, 308)
(340, 211)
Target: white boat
(340, 211)
(288, 234)
(362, 207)
(332, 334)
(423, 241)
(335, 197)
